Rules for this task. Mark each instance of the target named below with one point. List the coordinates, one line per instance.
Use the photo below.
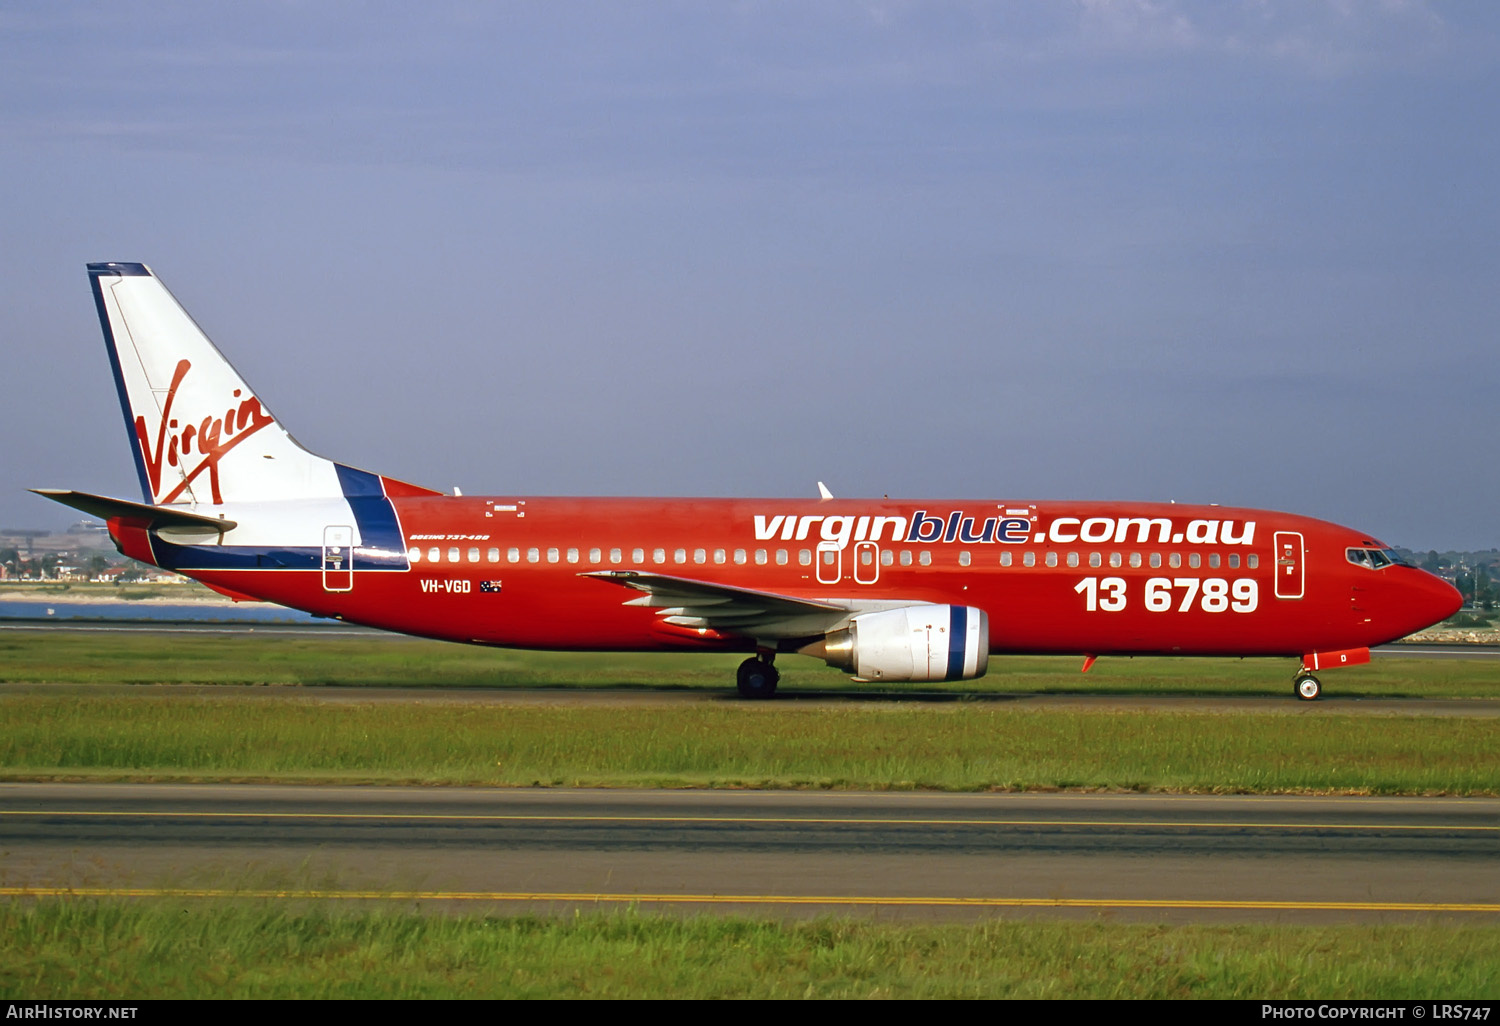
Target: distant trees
(1476, 588)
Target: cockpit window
(1375, 559)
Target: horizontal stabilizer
(158, 516)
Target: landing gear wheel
(757, 679)
(1307, 687)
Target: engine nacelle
(913, 643)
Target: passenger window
(1234, 561)
(720, 555)
(615, 555)
(1005, 558)
(414, 554)
(887, 557)
(906, 557)
(1114, 559)
(963, 559)
(638, 556)
(700, 555)
(1029, 559)
(1095, 560)
(1135, 560)
(760, 557)
(804, 556)
(596, 556)
(1072, 559)
(474, 554)
(1155, 560)
(1174, 560)
(1194, 560)
(1213, 560)
(828, 557)
(680, 556)
(434, 554)
(453, 555)
(1252, 561)
(781, 557)
(533, 555)
(865, 559)
(739, 557)
(552, 555)
(572, 555)
(492, 556)
(925, 558)
(513, 555)
(658, 555)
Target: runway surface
(888, 855)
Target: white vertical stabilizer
(200, 435)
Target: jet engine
(912, 643)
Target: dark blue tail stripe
(95, 271)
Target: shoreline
(109, 594)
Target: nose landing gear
(1307, 687)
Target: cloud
(1331, 38)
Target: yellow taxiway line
(746, 899)
(426, 817)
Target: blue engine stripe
(958, 632)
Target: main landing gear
(1307, 687)
(757, 677)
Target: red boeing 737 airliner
(884, 590)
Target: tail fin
(198, 432)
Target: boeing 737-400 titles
(884, 590)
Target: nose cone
(1424, 599)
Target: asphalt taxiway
(891, 855)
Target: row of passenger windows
(761, 557)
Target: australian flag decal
(489, 586)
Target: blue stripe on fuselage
(381, 545)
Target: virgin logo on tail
(210, 439)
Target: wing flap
(685, 602)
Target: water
(195, 612)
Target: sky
(1244, 253)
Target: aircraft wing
(684, 602)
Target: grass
(390, 660)
(192, 948)
(967, 742)
(954, 746)
(171, 949)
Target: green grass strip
(958, 746)
(168, 949)
(392, 660)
